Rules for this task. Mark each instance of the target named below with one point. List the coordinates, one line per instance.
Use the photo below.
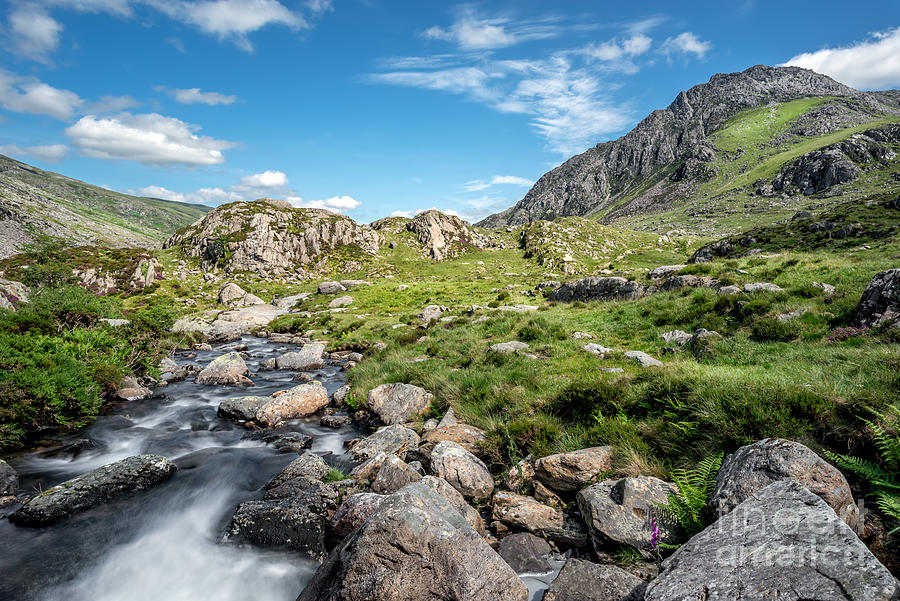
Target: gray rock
(309, 358)
(94, 488)
(341, 301)
(643, 359)
(227, 370)
(289, 302)
(585, 581)
(598, 289)
(415, 547)
(598, 349)
(572, 471)
(330, 288)
(753, 467)
(242, 409)
(9, 480)
(728, 290)
(116, 323)
(509, 347)
(392, 440)
(664, 270)
(398, 403)
(582, 336)
(335, 421)
(826, 289)
(620, 511)
(525, 513)
(783, 542)
(525, 553)
(308, 466)
(762, 286)
(464, 471)
(299, 401)
(880, 303)
(432, 313)
(341, 394)
(456, 500)
(286, 523)
(231, 292)
(520, 475)
(354, 511)
(679, 337)
(393, 475)
(792, 315)
(468, 437)
(445, 236)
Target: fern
(883, 477)
(687, 507)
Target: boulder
(330, 288)
(572, 471)
(728, 290)
(525, 553)
(299, 401)
(227, 370)
(620, 511)
(415, 547)
(598, 289)
(242, 409)
(354, 511)
(392, 440)
(598, 349)
(524, 513)
(762, 287)
(466, 436)
(782, 543)
(231, 292)
(9, 480)
(664, 270)
(880, 302)
(464, 471)
(94, 488)
(309, 358)
(643, 359)
(393, 475)
(457, 501)
(131, 390)
(432, 313)
(341, 301)
(509, 347)
(581, 580)
(284, 523)
(753, 467)
(308, 466)
(679, 337)
(398, 403)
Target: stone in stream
(414, 547)
(585, 581)
(572, 471)
(464, 471)
(9, 480)
(94, 488)
(398, 403)
(243, 408)
(525, 553)
(753, 467)
(299, 401)
(394, 440)
(782, 543)
(309, 466)
(308, 358)
(227, 370)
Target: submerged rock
(94, 488)
(415, 547)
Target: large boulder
(354, 511)
(330, 288)
(524, 513)
(242, 409)
(309, 358)
(94, 488)
(398, 403)
(457, 501)
(880, 303)
(284, 523)
(621, 510)
(572, 471)
(581, 580)
(391, 440)
(466, 436)
(231, 293)
(299, 401)
(598, 289)
(227, 370)
(308, 466)
(525, 553)
(464, 471)
(415, 547)
(753, 467)
(782, 543)
(9, 480)
(393, 475)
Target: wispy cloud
(498, 180)
(197, 96)
(685, 43)
(33, 33)
(30, 95)
(474, 31)
(51, 153)
(870, 64)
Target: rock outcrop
(598, 288)
(463, 470)
(442, 236)
(880, 303)
(271, 236)
(94, 488)
(415, 547)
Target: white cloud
(498, 180)
(231, 19)
(115, 7)
(319, 6)
(266, 179)
(51, 153)
(410, 214)
(871, 64)
(29, 95)
(151, 139)
(407, 214)
(336, 204)
(472, 31)
(158, 192)
(33, 33)
(196, 96)
(685, 43)
(112, 104)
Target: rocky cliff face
(667, 152)
(441, 236)
(272, 237)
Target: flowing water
(162, 544)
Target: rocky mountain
(682, 152)
(33, 202)
(272, 236)
(441, 236)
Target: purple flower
(654, 533)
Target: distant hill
(34, 202)
(743, 144)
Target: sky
(374, 108)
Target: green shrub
(586, 399)
(687, 507)
(771, 329)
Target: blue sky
(374, 108)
